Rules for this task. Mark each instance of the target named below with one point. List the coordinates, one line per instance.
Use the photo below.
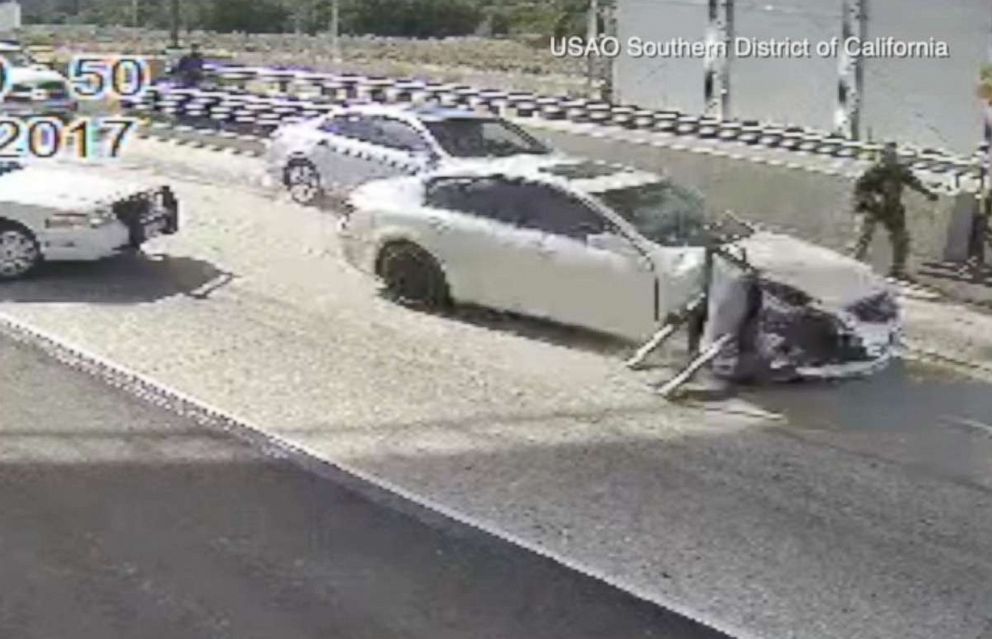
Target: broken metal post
(673, 323)
(656, 341)
(695, 365)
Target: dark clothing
(878, 198)
(879, 190)
(898, 236)
(189, 70)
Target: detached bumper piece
(147, 215)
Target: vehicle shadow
(133, 278)
(541, 330)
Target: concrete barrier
(807, 193)
(807, 202)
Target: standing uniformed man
(190, 68)
(878, 200)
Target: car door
(358, 148)
(405, 149)
(488, 256)
(589, 273)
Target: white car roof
(413, 112)
(566, 172)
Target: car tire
(19, 252)
(412, 276)
(303, 182)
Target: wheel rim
(304, 183)
(18, 253)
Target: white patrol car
(60, 214)
(34, 89)
(359, 143)
(617, 251)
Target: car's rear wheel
(412, 276)
(19, 252)
(303, 182)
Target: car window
(396, 134)
(351, 125)
(475, 137)
(18, 58)
(489, 198)
(547, 209)
(669, 214)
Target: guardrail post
(851, 72)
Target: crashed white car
(619, 251)
(359, 143)
(53, 214)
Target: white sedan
(53, 214)
(359, 143)
(617, 251)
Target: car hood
(63, 189)
(833, 279)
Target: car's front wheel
(303, 182)
(19, 252)
(412, 276)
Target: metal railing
(255, 101)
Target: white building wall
(10, 16)
(930, 102)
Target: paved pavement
(122, 520)
(837, 526)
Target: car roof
(440, 114)
(578, 174)
(7, 47)
(430, 113)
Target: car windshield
(474, 137)
(673, 215)
(17, 58)
(9, 167)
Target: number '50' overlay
(45, 138)
(95, 77)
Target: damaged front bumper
(782, 334)
(149, 214)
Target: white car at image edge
(617, 251)
(50, 213)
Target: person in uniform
(878, 200)
(190, 69)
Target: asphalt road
(834, 522)
(121, 520)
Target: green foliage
(401, 18)
(412, 18)
(252, 16)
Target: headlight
(877, 309)
(78, 219)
